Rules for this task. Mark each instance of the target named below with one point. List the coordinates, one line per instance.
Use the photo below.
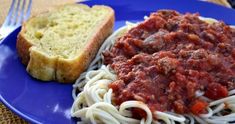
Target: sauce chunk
(168, 58)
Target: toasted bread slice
(60, 44)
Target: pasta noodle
(93, 98)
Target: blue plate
(50, 102)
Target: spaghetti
(94, 99)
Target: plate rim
(3, 100)
(17, 112)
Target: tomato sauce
(167, 58)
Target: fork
(18, 13)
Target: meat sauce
(167, 58)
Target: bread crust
(23, 47)
(63, 70)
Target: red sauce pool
(168, 57)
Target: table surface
(6, 116)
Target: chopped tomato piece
(216, 91)
(198, 107)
